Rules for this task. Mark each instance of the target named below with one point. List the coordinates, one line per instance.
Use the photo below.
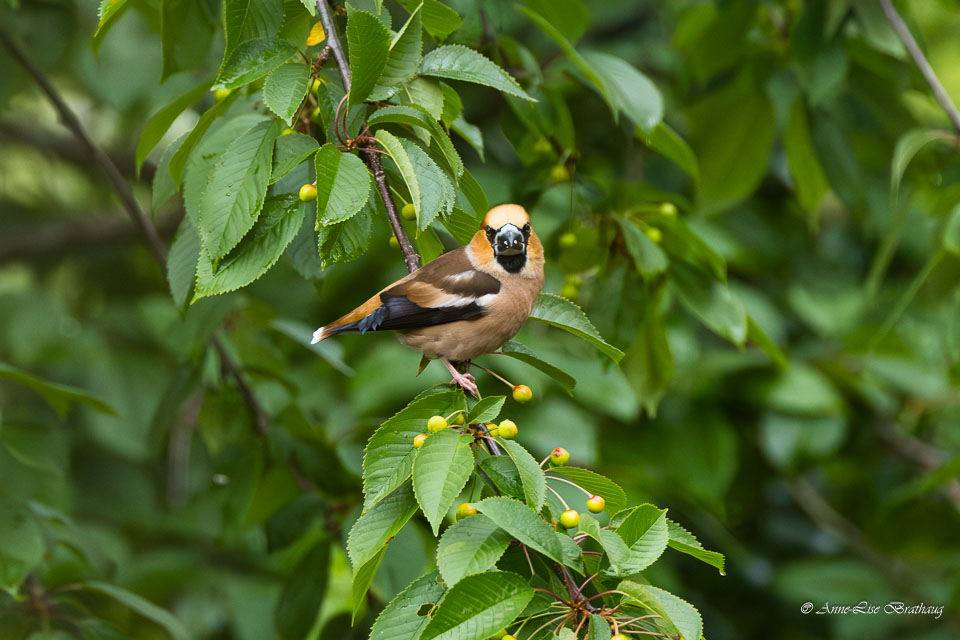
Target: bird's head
(507, 238)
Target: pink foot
(464, 380)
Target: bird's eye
(526, 228)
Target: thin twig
(900, 27)
(410, 255)
(922, 454)
(333, 41)
(72, 123)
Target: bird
(463, 304)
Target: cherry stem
(551, 593)
(570, 482)
(606, 593)
(529, 561)
(559, 497)
(498, 377)
(585, 583)
(544, 461)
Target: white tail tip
(318, 335)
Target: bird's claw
(466, 382)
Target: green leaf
(645, 532)
(369, 43)
(437, 193)
(290, 151)
(343, 185)
(236, 189)
(668, 143)
(186, 31)
(21, 541)
(345, 241)
(163, 186)
(108, 13)
(614, 497)
(585, 67)
(711, 301)
(424, 93)
(285, 89)
(303, 593)
(472, 545)
(503, 472)
(461, 225)
(951, 232)
(566, 315)
(599, 628)
(520, 352)
(485, 410)
(456, 62)
(647, 255)
(474, 194)
(403, 60)
(630, 91)
(417, 116)
(810, 181)
(440, 472)
(257, 252)
(245, 20)
(531, 475)
(158, 124)
(141, 606)
(906, 149)
(733, 158)
(401, 619)
(179, 159)
(617, 552)
(685, 542)
(388, 456)
(677, 616)
(438, 19)
(452, 104)
(379, 524)
(182, 262)
(478, 606)
(398, 153)
(518, 520)
(569, 17)
(758, 336)
(252, 60)
(58, 396)
(362, 578)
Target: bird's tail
(321, 334)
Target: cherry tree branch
(70, 120)
(372, 157)
(939, 92)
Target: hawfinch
(465, 303)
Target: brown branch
(333, 41)
(70, 120)
(900, 27)
(91, 233)
(923, 455)
(410, 255)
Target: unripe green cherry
(287, 131)
(393, 242)
(457, 419)
(569, 291)
(315, 115)
(595, 504)
(408, 211)
(559, 457)
(499, 635)
(560, 174)
(542, 146)
(316, 84)
(418, 440)
(522, 393)
(308, 193)
(507, 430)
(220, 94)
(493, 429)
(619, 637)
(567, 240)
(573, 278)
(654, 234)
(668, 209)
(466, 510)
(569, 519)
(436, 423)
(509, 637)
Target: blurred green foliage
(765, 221)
